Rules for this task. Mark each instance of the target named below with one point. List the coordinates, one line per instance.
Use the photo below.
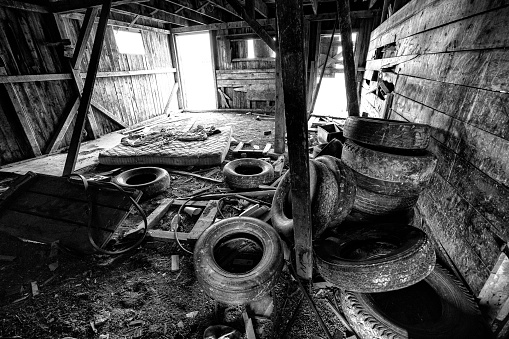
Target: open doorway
(196, 70)
(331, 99)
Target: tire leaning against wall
(387, 133)
(389, 173)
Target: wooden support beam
(24, 6)
(23, 116)
(149, 14)
(279, 121)
(81, 43)
(75, 5)
(290, 27)
(108, 114)
(345, 28)
(117, 23)
(314, 5)
(222, 26)
(186, 5)
(62, 127)
(262, 33)
(88, 89)
(258, 6)
(172, 94)
(165, 8)
(174, 62)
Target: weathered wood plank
(85, 30)
(471, 33)
(488, 152)
(24, 6)
(206, 219)
(430, 14)
(243, 82)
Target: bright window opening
(250, 49)
(129, 42)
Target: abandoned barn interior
(87, 86)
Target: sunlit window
(129, 42)
(250, 49)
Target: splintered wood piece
(266, 149)
(206, 219)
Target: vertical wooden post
(88, 89)
(279, 121)
(345, 27)
(175, 63)
(291, 47)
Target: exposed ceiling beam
(70, 6)
(353, 14)
(262, 33)
(24, 6)
(227, 25)
(169, 8)
(225, 7)
(259, 6)
(148, 13)
(203, 10)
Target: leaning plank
(379, 64)
(83, 36)
(23, 117)
(290, 25)
(206, 219)
(88, 89)
(63, 125)
(108, 114)
(167, 236)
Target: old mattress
(211, 151)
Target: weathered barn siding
(241, 82)
(449, 62)
(25, 49)
(31, 111)
(130, 98)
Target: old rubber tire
(438, 307)
(149, 180)
(402, 174)
(237, 288)
(247, 173)
(387, 133)
(346, 187)
(324, 203)
(281, 210)
(381, 204)
(375, 258)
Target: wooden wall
(131, 88)
(130, 98)
(242, 82)
(449, 62)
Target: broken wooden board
(206, 219)
(50, 208)
(154, 217)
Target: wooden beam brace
(262, 33)
(117, 23)
(150, 14)
(222, 26)
(108, 114)
(81, 43)
(194, 17)
(364, 14)
(24, 6)
(257, 6)
(291, 45)
(279, 121)
(23, 117)
(62, 127)
(225, 7)
(345, 28)
(88, 89)
(184, 5)
(75, 5)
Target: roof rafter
(70, 6)
(148, 13)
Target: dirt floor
(138, 295)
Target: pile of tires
(390, 163)
(332, 194)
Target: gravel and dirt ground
(137, 295)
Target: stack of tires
(391, 286)
(390, 163)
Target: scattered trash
(267, 133)
(192, 314)
(101, 318)
(258, 118)
(104, 336)
(53, 266)
(192, 211)
(256, 147)
(35, 288)
(136, 323)
(221, 332)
